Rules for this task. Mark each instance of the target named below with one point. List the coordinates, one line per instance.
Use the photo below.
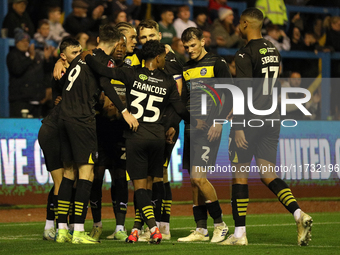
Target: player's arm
(244, 74)
(182, 111)
(123, 74)
(113, 96)
(221, 70)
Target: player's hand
(57, 100)
(59, 69)
(240, 139)
(131, 120)
(201, 124)
(230, 115)
(214, 132)
(170, 135)
(85, 53)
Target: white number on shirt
(140, 110)
(265, 70)
(73, 76)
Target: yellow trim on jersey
(115, 82)
(235, 160)
(90, 161)
(127, 176)
(134, 60)
(194, 73)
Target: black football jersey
(198, 74)
(258, 64)
(147, 92)
(82, 89)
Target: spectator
(332, 26)
(278, 37)
(17, 17)
(119, 16)
(42, 39)
(57, 32)
(82, 39)
(208, 41)
(201, 20)
(214, 6)
(132, 11)
(274, 12)
(27, 84)
(179, 50)
(293, 112)
(183, 22)
(166, 27)
(224, 32)
(78, 21)
(91, 43)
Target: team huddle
(119, 108)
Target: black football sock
(215, 211)
(64, 199)
(167, 201)
(239, 203)
(50, 206)
(157, 198)
(284, 194)
(145, 207)
(55, 203)
(81, 200)
(122, 196)
(200, 216)
(96, 200)
(71, 213)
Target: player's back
(259, 61)
(81, 91)
(148, 94)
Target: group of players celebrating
(119, 107)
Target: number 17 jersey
(259, 63)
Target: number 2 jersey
(147, 95)
(257, 66)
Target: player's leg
(157, 198)
(64, 202)
(287, 199)
(239, 204)
(205, 156)
(96, 202)
(121, 201)
(266, 157)
(240, 161)
(164, 226)
(81, 200)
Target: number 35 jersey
(147, 95)
(258, 64)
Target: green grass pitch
(267, 234)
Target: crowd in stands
(45, 22)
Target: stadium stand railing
(239, 6)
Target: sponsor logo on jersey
(263, 51)
(143, 77)
(242, 55)
(128, 61)
(110, 64)
(271, 49)
(203, 71)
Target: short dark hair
(166, 9)
(109, 34)
(254, 13)
(43, 22)
(68, 41)
(152, 49)
(149, 23)
(190, 33)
